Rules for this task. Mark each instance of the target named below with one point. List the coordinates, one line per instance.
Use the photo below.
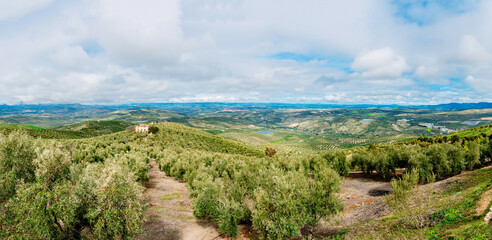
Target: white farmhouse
(142, 128)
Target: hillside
(448, 209)
(96, 127)
(75, 131)
(238, 188)
(45, 133)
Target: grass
(171, 196)
(30, 126)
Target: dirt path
(484, 201)
(170, 214)
(363, 199)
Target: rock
(488, 219)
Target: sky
(310, 51)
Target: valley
(208, 173)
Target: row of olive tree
(53, 190)
(430, 161)
(278, 195)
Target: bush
(229, 217)
(288, 201)
(279, 212)
(270, 152)
(16, 162)
(52, 197)
(153, 129)
(401, 187)
(207, 203)
(472, 155)
(337, 160)
(114, 200)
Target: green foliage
(92, 187)
(472, 155)
(16, 162)
(279, 211)
(96, 128)
(279, 195)
(153, 129)
(115, 210)
(431, 158)
(401, 187)
(51, 191)
(45, 133)
(206, 204)
(337, 160)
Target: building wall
(142, 128)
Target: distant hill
(180, 136)
(44, 133)
(75, 131)
(97, 127)
(479, 105)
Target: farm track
(363, 199)
(169, 215)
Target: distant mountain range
(459, 106)
(64, 108)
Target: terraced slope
(45, 133)
(97, 127)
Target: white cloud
(16, 9)
(140, 32)
(380, 63)
(185, 50)
(482, 85)
(334, 97)
(471, 51)
(426, 72)
(70, 56)
(218, 98)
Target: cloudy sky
(323, 51)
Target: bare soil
(363, 198)
(170, 214)
(484, 203)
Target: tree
(153, 129)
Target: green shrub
(207, 201)
(288, 201)
(472, 155)
(229, 217)
(337, 160)
(279, 211)
(56, 192)
(114, 200)
(16, 162)
(44, 214)
(401, 187)
(153, 129)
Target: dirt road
(170, 214)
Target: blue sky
(357, 51)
